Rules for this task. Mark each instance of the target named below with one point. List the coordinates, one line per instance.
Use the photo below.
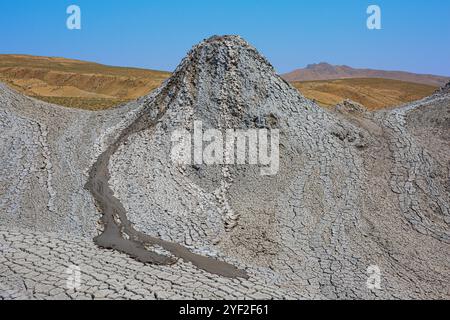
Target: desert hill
(373, 93)
(74, 83)
(326, 71)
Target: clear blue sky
(156, 34)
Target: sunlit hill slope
(93, 86)
(76, 83)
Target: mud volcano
(355, 191)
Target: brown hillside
(76, 83)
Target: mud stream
(119, 233)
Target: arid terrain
(326, 71)
(373, 93)
(78, 84)
(92, 86)
(100, 192)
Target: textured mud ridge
(354, 189)
(116, 223)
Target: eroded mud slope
(354, 189)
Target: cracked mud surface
(115, 222)
(354, 189)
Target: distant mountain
(326, 71)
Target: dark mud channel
(119, 233)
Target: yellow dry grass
(373, 93)
(78, 84)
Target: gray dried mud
(116, 223)
(355, 190)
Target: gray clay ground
(354, 189)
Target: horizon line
(166, 71)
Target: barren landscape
(75, 83)
(98, 189)
(373, 93)
(326, 71)
(92, 86)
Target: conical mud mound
(348, 204)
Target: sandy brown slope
(372, 93)
(76, 83)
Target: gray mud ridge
(134, 244)
(355, 190)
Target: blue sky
(156, 34)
